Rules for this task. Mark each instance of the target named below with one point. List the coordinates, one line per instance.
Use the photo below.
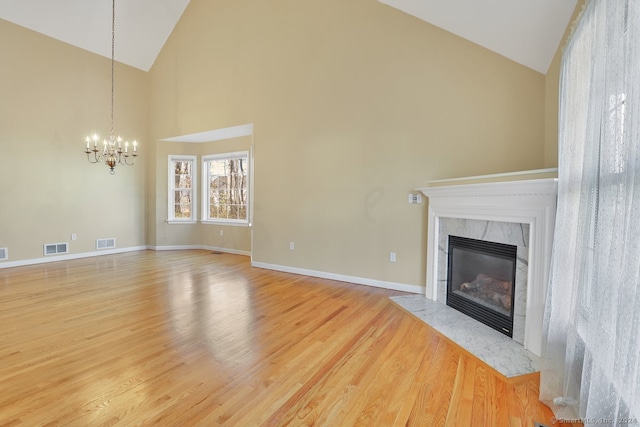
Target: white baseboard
(174, 247)
(67, 257)
(206, 248)
(415, 289)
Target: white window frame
(205, 188)
(171, 189)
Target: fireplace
(528, 203)
(481, 277)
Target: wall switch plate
(292, 246)
(222, 232)
(392, 257)
(73, 236)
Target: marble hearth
(515, 212)
(490, 346)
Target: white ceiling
(526, 31)
(142, 26)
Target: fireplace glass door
(481, 281)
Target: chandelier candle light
(111, 152)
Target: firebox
(480, 281)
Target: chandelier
(111, 150)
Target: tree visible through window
(226, 187)
(182, 205)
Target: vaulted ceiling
(525, 31)
(142, 26)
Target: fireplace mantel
(528, 201)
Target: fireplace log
(490, 289)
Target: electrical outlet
(392, 257)
(415, 198)
(292, 246)
(222, 232)
(73, 236)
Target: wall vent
(105, 243)
(56, 248)
(4, 254)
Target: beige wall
(51, 96)
(354, 105)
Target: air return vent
(56, 248)
(4, 254)
(105, 243)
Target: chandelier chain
(113, 52)
(114, 151)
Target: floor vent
(4, 254)
(105, 243)
(56, 248)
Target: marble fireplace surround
(525, 202)
(508, 233)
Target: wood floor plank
(480, 414)
(411, 409)
(461, 404)
(189, 338)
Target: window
(613, 164)
(226, 188)
(182, 191)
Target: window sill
(231, 223)
(177, 221)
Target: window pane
(227, 188)
(182, 203)
(181, 212)
(182, 174)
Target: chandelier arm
(124, 160)
(95, 155)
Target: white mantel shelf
(526, 188)
(529, 201)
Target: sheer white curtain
(591, 356)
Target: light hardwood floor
(185, 338)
